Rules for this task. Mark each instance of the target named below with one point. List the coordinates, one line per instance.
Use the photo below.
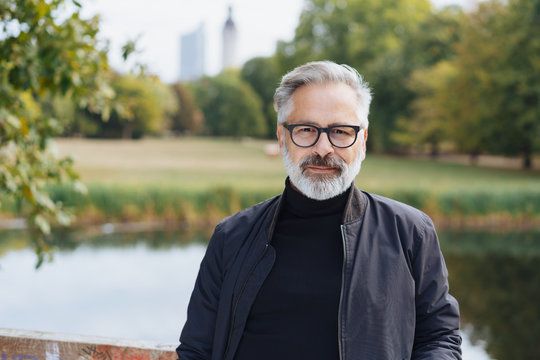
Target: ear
(365, 136)
(279, 133)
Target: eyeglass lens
(307, 135)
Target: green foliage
(188, 118)
(476, 59)
(230, 106)
(489, 90)
(143, 105)
(436, 37)
(262, 74)
(370, 36)
(431, 116)
(436, 74)
(509, 79)
(43, 55)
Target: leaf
(53, 52)
(28, 193)
(13, 121)
(80, 187)
(42, 224)
(44, 200)
(63, 218)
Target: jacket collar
(354, 209)
(356, 205)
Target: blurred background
(129, 129)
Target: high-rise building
(192, 55)
(229, 42)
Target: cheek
(351, 154)
(297, 154)
(350, 157)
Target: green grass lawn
(383, 173)
(184, 163)
(204, 179)
(205, 163)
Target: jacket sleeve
(198, 333)
(437, 312)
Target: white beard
(322, 187)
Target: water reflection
(102, 236)
(137, 285)
(119, 291)
(496, 278)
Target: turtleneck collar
(301, 206)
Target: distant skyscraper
(229, 42)
(192, 55)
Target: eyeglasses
(305, 135)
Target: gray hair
(321, 72)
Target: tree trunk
(527, 155)
(473, 157)
(434, 152)
(127, 131)
(527, 161)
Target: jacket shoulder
(250, 215)
(401, 212)
(404, 217)
(406, 225)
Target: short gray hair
(321, 72)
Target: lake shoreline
(499, 223)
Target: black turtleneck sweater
(295, 313)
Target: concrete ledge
(34, 345)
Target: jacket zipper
(239, 296)
(341, 293)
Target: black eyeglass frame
(326, 130)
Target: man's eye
(343, 131)
(338, 131)
(307, 129)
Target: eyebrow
(307, 122)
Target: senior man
(323, 271)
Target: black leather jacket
(394, 295)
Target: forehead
(324, 105)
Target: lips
(321, 168)
(317, 164)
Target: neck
(302, 206)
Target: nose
(323, 146)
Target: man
(323, 271)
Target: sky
(157, 26)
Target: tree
(436, 38)
(188, 117)
(230, 106)
(369, 35)
(143, 106)
(517, 77)
(262, 74)
(497, 84)
(431, 110)
(43, 54)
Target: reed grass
(176, 205)
(202, 180)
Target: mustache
(327, 161)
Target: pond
(137, 285)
